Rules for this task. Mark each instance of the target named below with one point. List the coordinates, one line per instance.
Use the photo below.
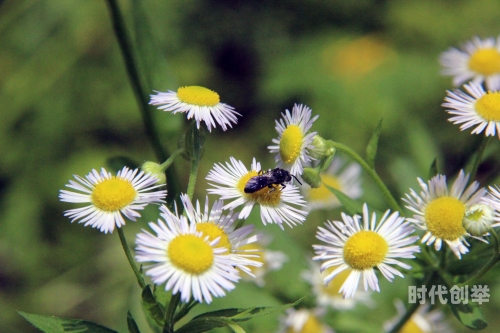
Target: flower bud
(311, 177)
(156, 170)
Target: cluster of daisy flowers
(200, 253)
(477, 64)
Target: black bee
(269, 178)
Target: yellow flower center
(333, 288)
(443, 217)
(197, 95)
(365, 249)
(312, 325)
(322, 193)
(266, 196)
(291, 143)
(485, 61)
(113, 194)
(488, 106)
(410, 327)
(212, 231)
(190, 254)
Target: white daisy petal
(111, 197)
(292, 147)
(477, 60)
(347, 247)
(185, 260)
(198, 102)
(481, 109)
(278, 204)
(441, 212)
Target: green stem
(492, 262)
(170, 160)
(195, 159)
(130, 259)
(371, 172)
(478, 157)
(168, 326)
(139, 91)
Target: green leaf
(132, 326)
(352, 206)
(433, 170)
(469, 315)
(51, 324)
(153, 65)
(154, 310)
(229, 318)
(209, 323)
(371, 148)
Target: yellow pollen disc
(488, 106)
(485, 61)
(212, 231)
(312, 325)
(244, 180)
(190, 254)
(267, 196)
(333, 288)
(291, 143)
(322, 193)
(113, 194)
(196, 95)
(365, 249)
(443, 217)
(410, 327)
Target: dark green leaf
(352, 206)
(208, 323)
(51, 324)
(194, 142)
(433, 170)
(154, 310)
(469, 315)
(371, 148)
(151, 60)
(132, 326)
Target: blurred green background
(67, 107)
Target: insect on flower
(269, 178)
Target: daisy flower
(293, 143)
(303, 321)
(478, 60)
(440, 211)
(422, 320)
(111, 197)
(214, 224)
(339, 175)
(328, 295)
(477, 109)
(199, 102)
(185, 259)
(276, 203)
(363, 245)
(493, 201)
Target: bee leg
(272, 188)
(282, 187)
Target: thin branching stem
(393, 204)
(138, 87)
(128, 254)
